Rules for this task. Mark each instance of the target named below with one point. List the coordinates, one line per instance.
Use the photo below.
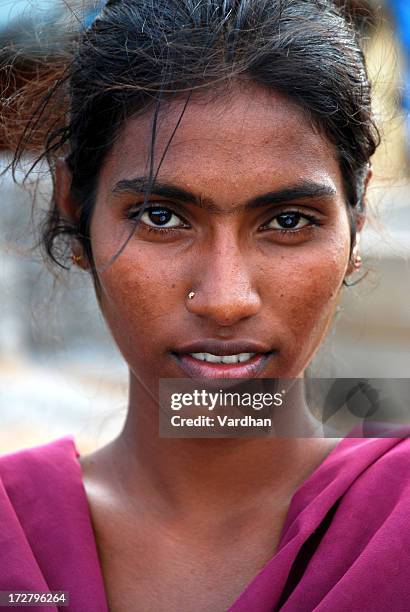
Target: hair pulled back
(139, 53)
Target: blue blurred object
(401, 14)
(92, 14)
(13, 11)
(44, 26)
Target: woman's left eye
(289, 221)
(161, 217)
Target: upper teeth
(223, 358)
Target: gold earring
(76, 259)
(357, 260)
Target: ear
(361, 217)
(360, 222)
(62, 192)
(68, 207)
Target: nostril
(224, 308)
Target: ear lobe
(355, 260)
(62, 192)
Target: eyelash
(314, 221)
(133, 213)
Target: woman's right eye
(160, 217)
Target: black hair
(139, 53)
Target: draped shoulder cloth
(345, 544)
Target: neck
(186, 475)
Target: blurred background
(60, 372)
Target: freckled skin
(262, 144)
(185, 524)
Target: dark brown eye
(288, 220)
(159, 216)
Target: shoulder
(386, 478)
(374, 455)
(369, 463)
(26, 472)
(45, 527)
(373, 481)
(350, 524)
(358, 474)
(41, 454)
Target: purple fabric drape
(46, 537)
(345, 544)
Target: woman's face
(248, 212)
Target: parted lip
(215, 347)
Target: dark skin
(185, 524)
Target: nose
(224, 287)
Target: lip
(204, 369)
(217, 347)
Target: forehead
(245, 136)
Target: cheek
(313, 294)
(137, 297)
(130, 284)
(305, 298)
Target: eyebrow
(301, 191)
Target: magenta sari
(345, 545)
